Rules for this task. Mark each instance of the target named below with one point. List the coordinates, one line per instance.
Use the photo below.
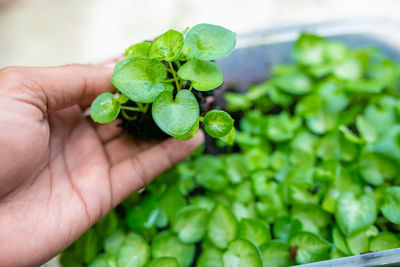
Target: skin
(59, 172)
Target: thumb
(60, 87)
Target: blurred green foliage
(315, 175)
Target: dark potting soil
(143, 127)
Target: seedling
(164, 77)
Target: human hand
(60, 173)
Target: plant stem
(191, 87)
(142, 108)
(178, 64)
(146, 107)
(169, 80)
(185, 31)
(178, 86)
(132, 108)
(126, 116)
(201, 118)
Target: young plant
(165, 76)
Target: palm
(76, 176)
(60, 174)
(72, 189)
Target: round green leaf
(389, 143)
(312, 217)
(354, 214)
(183, 56)
(242, 211)
(191, 133)
(309, 49)
(170, 203)
(332, 96)
(122, 99)
(134, 251)
(350, 69)
(191, 224)
(275, 254)
(384, 241)
(349, 135)
(166, 244)
(381, 119)
(310, 247)
(286, 227)
(202, 201)
(114, 242)
(295, 83)
(335, 253)
(105, 108)
(212, 180)
(89, 245)
(210, 257)
(281, 127)
(391, 206)
(102, 261)
(204, 75)
(140, 79)
(138, 50)
(163, 262)
(375, 169)
(242, 253)
(364, 86)
(244, 193)
(236, 102)
(366, 130)
(340, 241)
(210, 42)
(255, 231)
(222, 226)
(218, 123)
(321, 122)
(229, 138)
(167, 46)
(335, 51)
(143, 215)
(175, 116)
(121, 63)
(358, 243)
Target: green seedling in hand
(164, 76)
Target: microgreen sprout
(162, 77)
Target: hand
(60, 173)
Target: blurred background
(53, 32)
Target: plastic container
(256, 52)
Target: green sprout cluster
(316, 176)
(162, 74)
